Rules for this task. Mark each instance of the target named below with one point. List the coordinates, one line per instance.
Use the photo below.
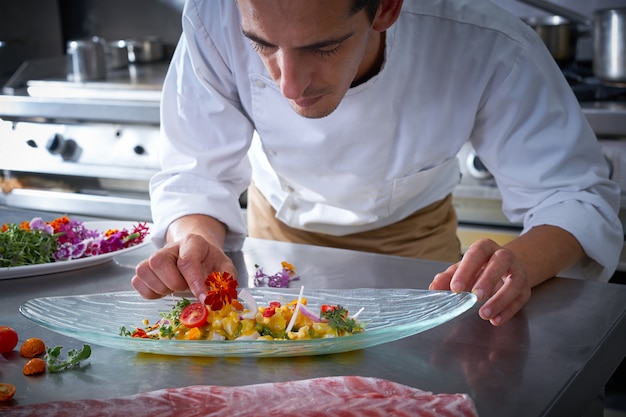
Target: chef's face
(314, 50)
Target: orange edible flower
(58, 222)
(288, 266)
(222, 290)
(238, 306)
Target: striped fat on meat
(344, 396)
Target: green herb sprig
(55, 364)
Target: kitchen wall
(25, 34)
(119, 19)
(33, 29)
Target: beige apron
(429, 233)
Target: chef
(344, 118)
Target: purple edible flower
(38, 224)
(278, 280)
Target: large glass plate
(62, 266)
(388, 315)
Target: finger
(490, 278)
(144, 290)
(192, 253)
(161, 273)
(228, 266)
(471, 267)
(508, 301)
(441, 281)
(147, 283)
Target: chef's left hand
(494, 274)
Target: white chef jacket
(454, 71)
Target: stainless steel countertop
(552, 359)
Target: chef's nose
(294, 74)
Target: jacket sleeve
(547, 161)
(205, 135)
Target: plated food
(27, 251)
(223, 317)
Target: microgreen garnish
(338, 319)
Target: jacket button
(260, 84)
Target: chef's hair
(371, 7)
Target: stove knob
(476, 168)
(67, 148)
(56, 144)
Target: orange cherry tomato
(34, 366)
(7, 391)
(32, 347)
(194, 315)
(8, 339)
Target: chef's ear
(387, 14)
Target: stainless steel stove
(80, 148)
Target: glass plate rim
(235, 348)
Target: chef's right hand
(181, 265)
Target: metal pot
(86, 59)
(609, 38)
(116, 55)
(559, 34)
(609, 45)
(146, 49)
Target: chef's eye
(326, 52)
(260, 48)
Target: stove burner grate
(588, 88)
